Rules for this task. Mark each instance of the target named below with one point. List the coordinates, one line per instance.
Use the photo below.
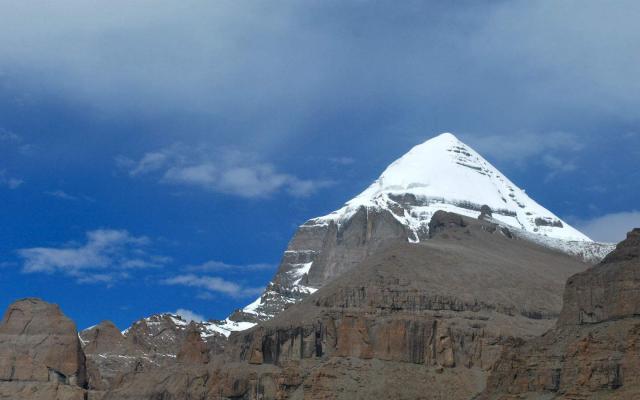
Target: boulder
(41, 353)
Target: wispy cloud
(189, 315)
(555, 151)
(61, 194)
(106, 256)
(342, 160)
(611, 227)
(521, 147)
(9, 181)
(15, 141)
(226, 171)
(557, 166)
(8, 136)
(214, 266)
(213, 284)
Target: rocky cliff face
(593, 352)
(331, 249)
(41, 357)
(410, 321)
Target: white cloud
(8, 136)
(521, 147)
(148, 163)
(204, 175)
(342, 160)
(213, 284)
(213, 265)
(61, 194)
(610, 227)
(8, 181)
(555, 151)
(107, 256)
(226, 171)
(189, 315)
(557, 166)
(15, 141)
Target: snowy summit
(443, 173)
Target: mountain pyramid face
(442, 173)
(445, 174)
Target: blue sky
(157, 156)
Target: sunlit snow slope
(445, 174)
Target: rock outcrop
(594, 350)
(108, 353)
(193, 349)
(41, 356)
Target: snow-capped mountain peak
(444, 173)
